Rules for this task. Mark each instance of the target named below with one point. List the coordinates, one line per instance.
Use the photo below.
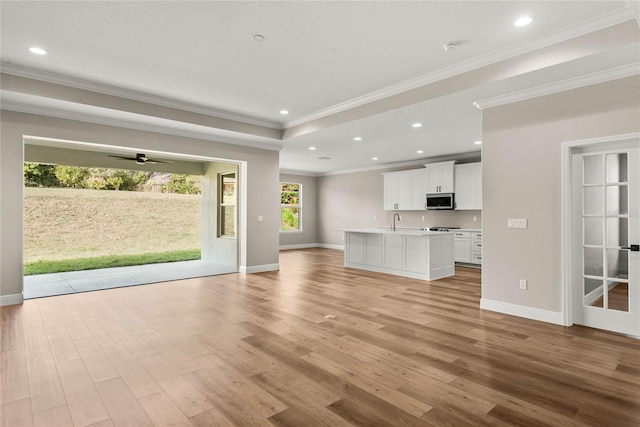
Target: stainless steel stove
(440, 228)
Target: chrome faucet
(394, 220)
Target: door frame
(568, 149)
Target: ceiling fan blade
(122, 157)
(140, 159)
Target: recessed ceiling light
(478, 142)
(374, 158)
(284, 112)
(37, 50)
(416, 125)
(258, 37)
(522, 21)
(448, 47)
(420, 151)
(312, 148)
(357, 138)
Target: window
(227, 205)
(290, 206)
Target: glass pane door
(605, 219)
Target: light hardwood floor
(252, 350)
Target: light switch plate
(517, 223)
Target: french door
(606, 234)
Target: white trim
(561, 86)
(12, 299)
(329, 246)
(295, 172)
(259, 268)
(300, 246)
(597, 293)
(616, 17)
(566, 213)
(523, 311)
(78, 83)
(421, 162)
(593, 295)
(161, 125)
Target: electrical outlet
(517, 223)
(523, 284)
(423, 217)
(260, 218)
(475, 218)
(375, 217)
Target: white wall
(355, 200)
(260, 245)
(308, 236)
(521, 168)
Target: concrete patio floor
(45, 285)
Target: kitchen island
(426, 255)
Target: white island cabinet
(427, 255)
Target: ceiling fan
(140, 159)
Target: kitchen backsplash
(413, 219)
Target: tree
(72, 176)
(116, 179)
(183, 184)
(40, 175)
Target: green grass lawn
(78, 264)
(72, 229)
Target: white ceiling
(317, 59)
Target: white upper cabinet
(397, 191)
(468, 186)
(405, 190)
(418, 189)
(440, 177)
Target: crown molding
(419, 162)
(561, 86)
(301, 173)
(166, 128)
(78, 83)
(589, 26)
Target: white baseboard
(300, 246)
(327, 246)
(523, 311)
(259, 268)
(10, 299)
(597, 293)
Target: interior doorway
(603, 224)
(217, 245)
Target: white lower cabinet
(441, 260)
(373, 249)
(415, 249)
(476, 247)
(468, 247)
(354, 247)
(427, 256)
(462, 248)
(392, 250)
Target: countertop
(399, 231)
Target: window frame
(298, 206)
(222, 205)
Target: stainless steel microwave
(440, 201)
